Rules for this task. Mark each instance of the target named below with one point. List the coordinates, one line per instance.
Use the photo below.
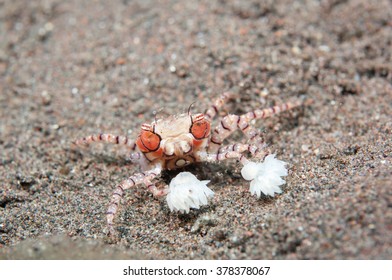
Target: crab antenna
(155, 113)
(190, 106)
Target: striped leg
(231, 123)
(231, 152)
(106, 138)
(211, 112)
(157, 193)
(255, 150)
(137, 179)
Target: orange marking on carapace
(197, 143)
(158, 153)
(148, 141)
(200, 129)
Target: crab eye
(148, 141)
(200, 128)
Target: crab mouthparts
(177, 148)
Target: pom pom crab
(180, 140)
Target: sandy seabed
(73, 68)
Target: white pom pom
(265, 176)
(249, 171)
(186, 191)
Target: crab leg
(231, 123)
(106, 138)
(211, 112)
(232, 152)
(157, 193)
(137, 179)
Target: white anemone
(186, 191)
(265, 176)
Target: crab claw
(265, 176)
(186, 191)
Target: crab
(180, 140)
